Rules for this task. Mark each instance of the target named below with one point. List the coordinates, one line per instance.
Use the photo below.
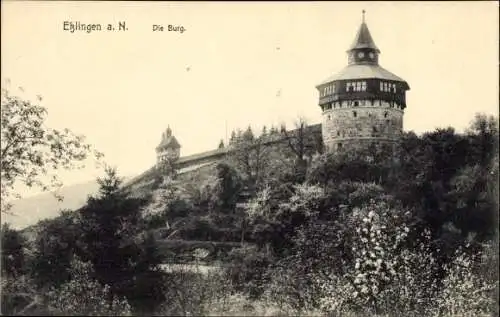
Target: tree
(226, 189)
(264, 131)
(250, 157)
(472, 204)
(348, 166)
(121, 257)
(30, 150)
(233, 137)
(303, 144)
(55, 246)
(12, 251)
(483, 135)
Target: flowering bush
(466, 291)
(82, 295)
(410, 285)
(260, 206)
(18, 294)
(414, 286)
(376, 235)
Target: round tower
(364, 103)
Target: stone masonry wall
(366, 123)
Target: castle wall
(219, 154)
(348, 125)
(201, 158)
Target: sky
(236, 64)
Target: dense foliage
(405, 231)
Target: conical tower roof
(363, 38)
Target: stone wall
(361, 122)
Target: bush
(83, 295)
(192, 292)
(289, 286)
(247, 271)
(206, 229)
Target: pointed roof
(358, 71)
(364, 38)
(168, 141)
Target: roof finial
(363, 15)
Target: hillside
(143, 185)
(28, 211)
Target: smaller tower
(168, 151)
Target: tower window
(339, 146)
(363, 86)
(338, 133)
(354, 113)
(386, 114)
(329, 117)
(381, 86)
(356, 103)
